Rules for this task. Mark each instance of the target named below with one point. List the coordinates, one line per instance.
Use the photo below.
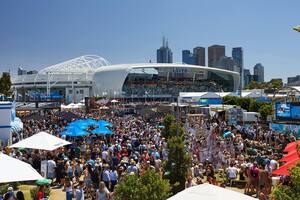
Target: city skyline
(36, 34)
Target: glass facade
(169, 81)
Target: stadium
(71, 80)
(87, 76)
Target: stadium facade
(94, 76)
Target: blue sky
(37, 33)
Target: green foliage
(147, 187)
(231, 100)
(265, 110)
(273, 84)
(244, 102)
(34, 191)
(168, 121)
(4, 188)
(249, 104)
(5, 84)
(291, 191)
(254, 106)
(176, 167)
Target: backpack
(253, 173)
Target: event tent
(42, 141)
(209, 192)
(13, 170)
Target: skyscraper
(215, 52)
(259, 72)
(164, 53)
(237, 55)
(199, 52)
(226, 63)
(188, 57)
(247, 77)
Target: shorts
(51, 175)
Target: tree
(290, 191)
(147, 187)
(168, 130)
(254, 106)
(5, 84)
(244, 103)
(254, 85)
(231, 100)
(176, 167)
(265, 110)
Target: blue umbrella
(74, 132)
(102, 130)
(80, 126)
(79, 123)
(104, 123)
(91, 122)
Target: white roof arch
(79, 65)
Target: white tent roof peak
(42, 141)
(209, 192)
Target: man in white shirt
(232, 172)
(51, 165)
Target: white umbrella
(104, 108)
(41, 140)
(13, 170)
(209, 192)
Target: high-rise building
(195, 58)
(199, 52)
(188, 57)
(164, 53)
(215, 52)
(259, 72)
(247, 77)
(226, 63)
(21, 71)
(293, 80)
(237, 56)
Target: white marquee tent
(42, 141)
(13, 170)
(209, 192)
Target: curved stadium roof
(79, 65)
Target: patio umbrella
(91, 122)
(293, 156)
(284, 170)
(209, 192)
(13, 170)
(74, 131)
(43, 181)
(41, 140)
(102, 130)
(104, 123)
(79, 123)
(291, 146)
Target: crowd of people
(93, 165)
